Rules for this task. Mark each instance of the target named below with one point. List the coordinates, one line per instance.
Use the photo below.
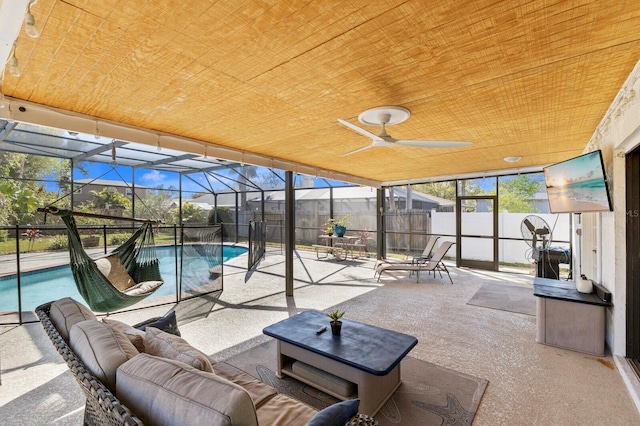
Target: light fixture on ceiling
(14, 69)
(14, 66)
(513, 159)
(30, 22)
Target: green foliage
(117, 239)
(4, 235)
(445, 190)
(156, 205)
(59, 242)
(193, 214)
(109, 199)
(335, 315)
(225, 215)
(20, 200)
(516, 194)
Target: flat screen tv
(578, 185)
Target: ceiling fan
(387, 116)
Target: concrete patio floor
(529, 383)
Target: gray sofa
(125, 386)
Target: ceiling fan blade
(359, 130)
(432, 144)
(371, 145)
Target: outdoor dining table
(339, 247)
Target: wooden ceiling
(517, 78)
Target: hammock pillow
(144, 287)
(113, 269)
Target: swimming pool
(38, 287)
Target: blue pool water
(43, 286)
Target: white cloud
(153, 178)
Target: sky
(154, 178)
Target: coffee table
(367, 356)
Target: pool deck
(496, 345)
(32, 261)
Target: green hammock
(120, 279)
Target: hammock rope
(117, 290)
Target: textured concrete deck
(529, 383)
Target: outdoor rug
(505, 298)
(428, 395)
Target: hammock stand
(125, 276)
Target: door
(477, 239)
(632, 164)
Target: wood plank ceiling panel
(530, 78)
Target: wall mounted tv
(578, 185)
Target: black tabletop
(366, 347)
(565, 290)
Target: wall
(603, 250)
(508, 227)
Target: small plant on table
(336, 324)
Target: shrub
(4, 235)
(117, 239)
(225, 215)
(59, 242)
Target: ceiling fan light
(513, 159)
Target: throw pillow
(165, 345)
(134, 335)
(336, 414)
(167, 323)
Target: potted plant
(329, 226)
(339, 226)
(336, 324)
(90, 240)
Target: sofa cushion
(161, 391)
(283, 410)
(165, 345)
(167, 323)
(134, 335)
(336, 414)
(101, 348)
(258, 390)
(113, 269)
(67, 312)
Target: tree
(193, 214)
(22, 188)
(447, 190)
(155, 205)
(225, 215)
(516, 194)
(109, 199)
(245, 175)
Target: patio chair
(426, 255)
(434, 264)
